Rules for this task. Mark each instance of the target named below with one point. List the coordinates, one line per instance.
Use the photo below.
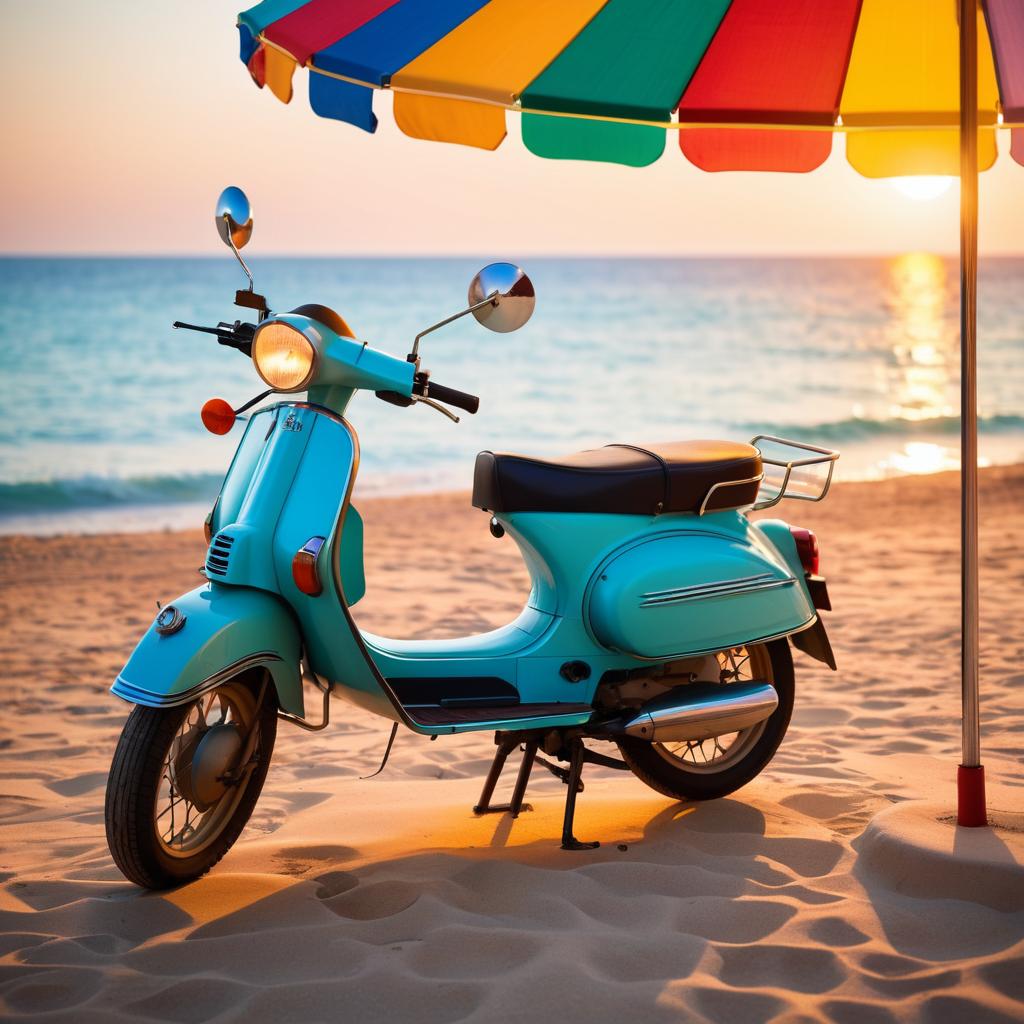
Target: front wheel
(714, 767)
(185, 780)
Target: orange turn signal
(304, 570)
(218, 416)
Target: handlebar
(424, 389)
(237, 335)
(450, 396)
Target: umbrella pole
(971, 773)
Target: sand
(386, 900)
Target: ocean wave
(86, 492)
(854, 429)
(63, 495)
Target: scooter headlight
(283, 356)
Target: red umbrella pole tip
(970, 797)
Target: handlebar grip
(460, 399)
(236, 335)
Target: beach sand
(386, 900)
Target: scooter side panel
(690, 591)
(225, 630)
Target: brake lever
(438, 406)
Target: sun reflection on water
(922, 368)
(923, 342)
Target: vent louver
(219, 554)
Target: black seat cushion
(626, 479)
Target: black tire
(134, 784)
(673, 780)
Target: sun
(923, 187)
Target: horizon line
(809, 254)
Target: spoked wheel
(184, 781)
(714, 767)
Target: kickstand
(387, 754)
(515, 805)
(574, 783)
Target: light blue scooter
(659, 615)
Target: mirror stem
(414, 355)
(238, 255)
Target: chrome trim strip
(725, 588)
(694, 588)
(137, 695)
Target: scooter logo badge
(292, 422)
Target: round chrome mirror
(234, 217)
(511, 293)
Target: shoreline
(184, 517)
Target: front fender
(225, 630)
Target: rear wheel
(181, 785)
(714, 767)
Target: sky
(128, 118)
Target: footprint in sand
(823, 806)
(846, 1011)
(834, 931)
(192, 1001)
(809, 858)
(743, 920)
(796, 968)
(374, 901)
(723, 1004)
(334, 883)
(467, 953)
(47, 989)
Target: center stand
(566, 746)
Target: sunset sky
(122, 123)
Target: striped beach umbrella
(919, 87)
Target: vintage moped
(659, 618)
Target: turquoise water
(100, 426)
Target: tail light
(304, 570)
(807, 549)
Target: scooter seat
(680, 476)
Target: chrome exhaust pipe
(699, 711)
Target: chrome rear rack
(804, 455)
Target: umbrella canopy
(609, 80)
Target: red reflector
(218, 417)
(807, 549)
(304, 570)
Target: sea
(100, 428)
